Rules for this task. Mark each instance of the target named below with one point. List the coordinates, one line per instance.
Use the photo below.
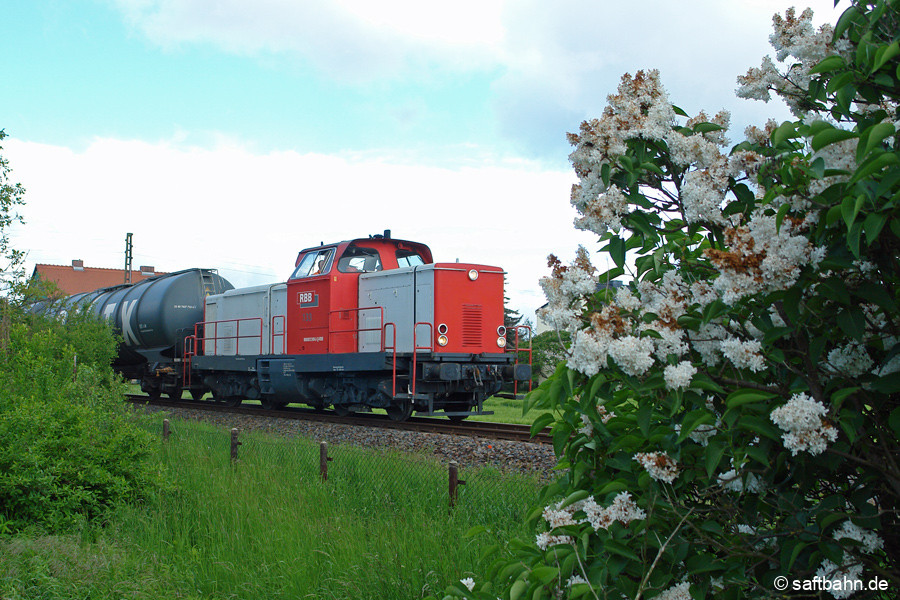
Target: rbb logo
(307, 299)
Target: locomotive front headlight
(501, 330)
(443, 340)
(473, 274)
(501, 342)
(442, 328)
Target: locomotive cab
(324, 311)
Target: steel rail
(483, 429)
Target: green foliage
(548, 350)
(68, 447)
(733, 417)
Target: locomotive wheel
(400, 411)
(175, 394)
(197, 394)
(458, 403)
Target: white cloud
(554, 62)
(249, 214)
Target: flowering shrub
(731, 416)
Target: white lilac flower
(679, 376)
(587, 428)
(869, 540)
(623, 510)
(626, 300)
(632, 354)
(680, 591)
(743, 355)
(556, 516)
(841, 581)
(605, 415)
(588, 351)
(805, 429)
(575, 580)
(850, 360)
(659, 465)
(761, 257)
(468, 582)
(671, 341)
(733, 481)
(707, 341)
(545, 540)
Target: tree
(729, 420)
(11, 196)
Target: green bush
(69, 448)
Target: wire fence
(376, 476)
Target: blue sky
(231, 133)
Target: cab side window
(409, 258)
(359, 260)
(314, 263)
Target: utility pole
(127, 258)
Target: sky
(232, 134)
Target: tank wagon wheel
(341, 410)
(175, 394)
(232, 402)
(269, 404)
(197, 394)
(400, 411)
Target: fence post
(165, 430)
(234, 443)
(455, 481)
(323, 460)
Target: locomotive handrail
(282, 335)
(517, 350)
(237, 334)
(417, 347)
(357, 330)
(393, 348)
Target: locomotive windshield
(359, 260)
(314, 263)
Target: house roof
(76, 278)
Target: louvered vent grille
(471, 324)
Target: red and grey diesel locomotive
(360, 324)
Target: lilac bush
(728, 421)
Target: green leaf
(830, 136)
(873, 225)
(707, 127)
(884, 54)
(517, 589)
(746, 396)
(873, 136)
(873, 164)
(714, 453)
(828, 64)
(783, 132)
(617, 251)
(850, 207)
(575, 497)
(852, 322)
(614, 547)
(541, 422)
(545, 574)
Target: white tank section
(246, 321)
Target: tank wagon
(360, 324)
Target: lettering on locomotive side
(314, 339)
(307, 299)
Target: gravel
(507, 456)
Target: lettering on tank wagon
(127, 332)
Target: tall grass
(267, 526)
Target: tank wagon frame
(360, 324)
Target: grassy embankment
(267, 526)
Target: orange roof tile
(73, 279)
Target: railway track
(483, 429)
